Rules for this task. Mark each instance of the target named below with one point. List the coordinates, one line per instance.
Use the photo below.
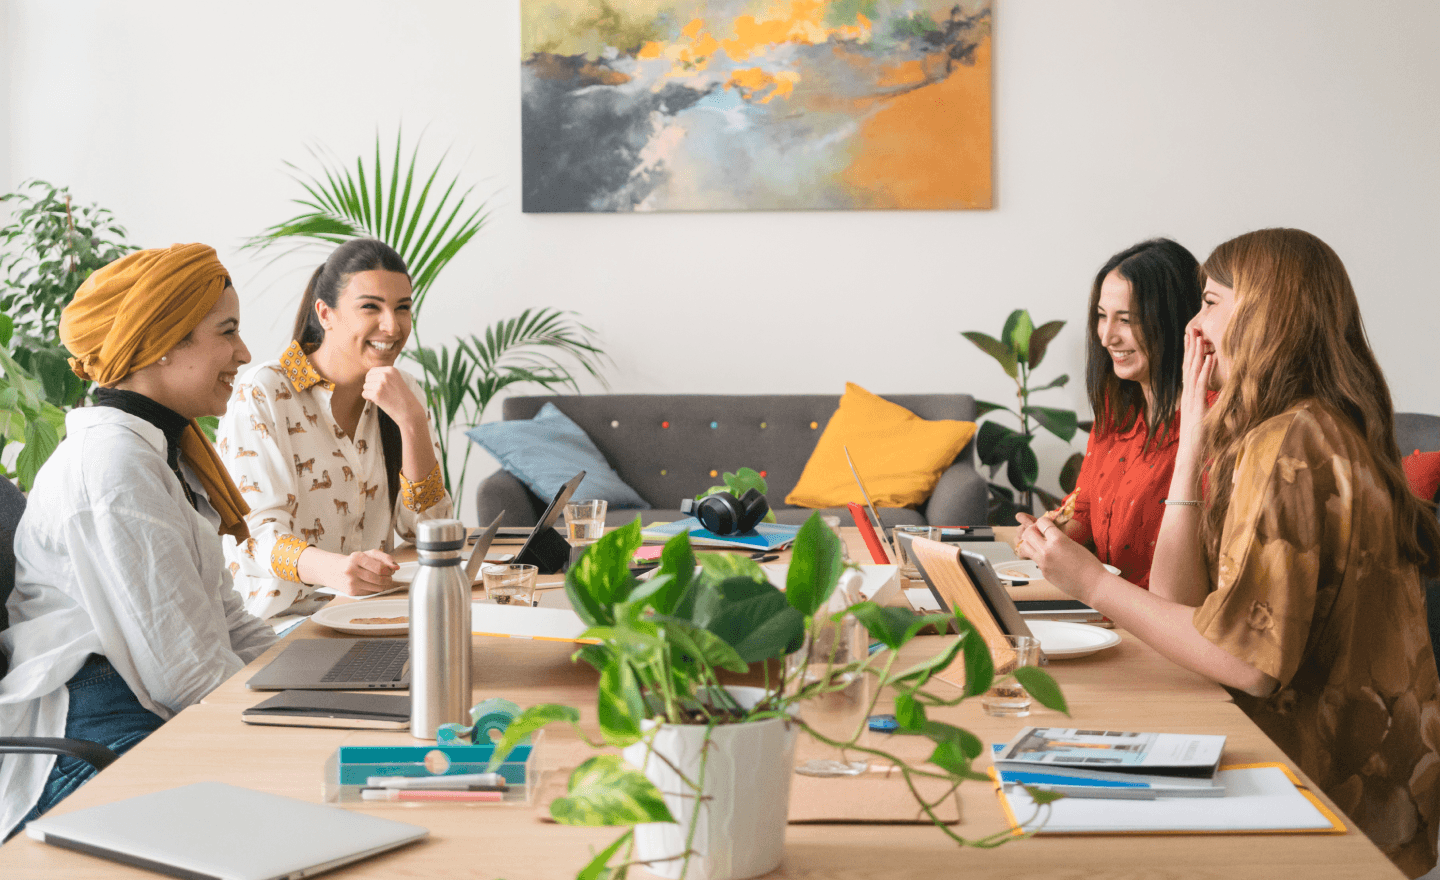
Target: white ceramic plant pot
(740, 830)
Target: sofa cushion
(1422, 469)
(549, 449)
(899, 455)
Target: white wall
(1115, 120)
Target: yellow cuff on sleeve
(286, 556)
(420, 497)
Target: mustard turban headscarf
(129, 313)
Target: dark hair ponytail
(326, 283)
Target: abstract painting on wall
(748, 105)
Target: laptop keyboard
(372, 660)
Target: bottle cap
(441, 534)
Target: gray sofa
(1422, 431)
(770, 433)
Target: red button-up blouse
(1120, 497)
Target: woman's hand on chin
(386, 388)
(1066, 564)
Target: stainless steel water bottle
(439, 630)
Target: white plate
(344, 617)
(1063, 640)
(1027, 570)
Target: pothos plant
(663, 643)
(1019, 350)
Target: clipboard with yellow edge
(1265, 798)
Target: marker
(458, 780)
(409, 794)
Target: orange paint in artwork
(650, 50)
(929, 148)
(754, 81)
(693, 29)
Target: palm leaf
(342, 202)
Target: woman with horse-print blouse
(331, 444)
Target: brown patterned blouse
(1312, 592)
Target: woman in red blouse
(1139, 304)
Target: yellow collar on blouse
(300, 371)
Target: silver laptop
(352, 664)
(337, 665)
(214, 831)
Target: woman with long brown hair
(331, 443)
(1306, 545)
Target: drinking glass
(907, 565)
(510, 584)
(841, 709)
(585, 521)
(1006, 698)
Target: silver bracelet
(1171, 501)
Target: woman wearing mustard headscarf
(123, 611)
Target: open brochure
(1076, 751)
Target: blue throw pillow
(546, 451)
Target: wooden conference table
(1126, 687)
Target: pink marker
(420, 794)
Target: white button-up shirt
(111, 559)
(308, 484)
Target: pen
(765, 558)
(410, 794)
(457, 780)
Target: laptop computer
(352, 664)
(337, 665)
(214, 831)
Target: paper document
(1260, 798)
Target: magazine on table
(1072, 751)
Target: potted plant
(1019, 350)
(47, 251)
(428, 221)
(663, 645)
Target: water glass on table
(907, 565)
(585, 522)
(1006, 698)
(510, 584)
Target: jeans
(103, 709)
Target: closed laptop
(214, 831)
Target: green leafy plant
(26, 417)
(46, 252)
(428, 219)
(538, 346)
(1019, 350)
(49, 249)
(664, 643)
(738, 484)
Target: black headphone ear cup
(720, 513)
(755, 509)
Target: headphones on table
(724, 514)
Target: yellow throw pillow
(899, 455)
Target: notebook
(337, 665)
(332, 709)
(214, 831)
